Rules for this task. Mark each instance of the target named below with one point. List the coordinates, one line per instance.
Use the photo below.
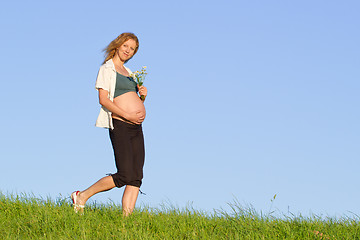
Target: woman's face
(126, 50)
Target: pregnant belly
(130, 102)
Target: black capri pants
(129, 151)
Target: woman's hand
(142, 91)
(136, 117)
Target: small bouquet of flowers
(139, 77)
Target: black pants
(128, 144)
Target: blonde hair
(110, 50)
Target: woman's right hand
(136, 117)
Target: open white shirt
(106, 80)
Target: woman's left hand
(142, 90)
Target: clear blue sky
(247, 99)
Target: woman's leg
(132, 188)
(129, 199)
(104, 184)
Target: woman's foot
(78, 204)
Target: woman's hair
(110, 50)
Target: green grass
(24, 217)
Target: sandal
(74, 197)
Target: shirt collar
(110, 64)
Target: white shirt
(106, 80)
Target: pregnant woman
(122, 112)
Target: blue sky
(247, 99)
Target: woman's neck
(119, 66)
(117, 61)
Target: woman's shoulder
(107, 64)
(128, 69)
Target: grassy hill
(23, 217)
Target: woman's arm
(135, 117)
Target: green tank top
(124, 84)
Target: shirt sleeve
(102, 80)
